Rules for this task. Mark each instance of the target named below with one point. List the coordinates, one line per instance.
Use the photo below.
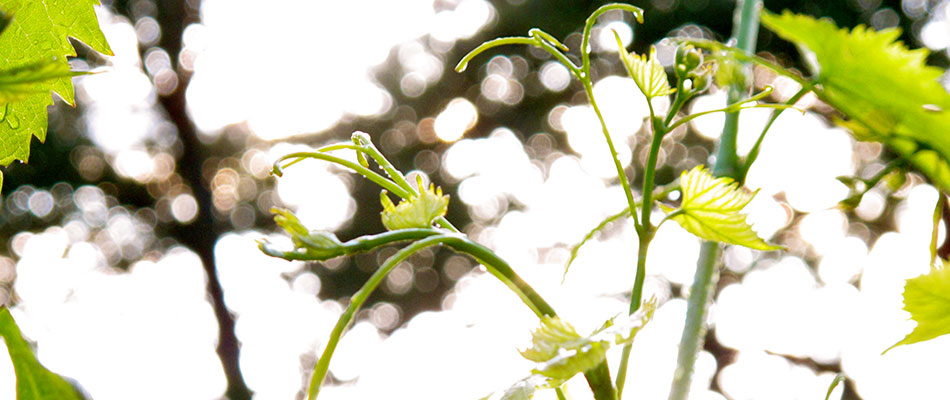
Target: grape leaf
(561, 352)
(33, 380)
(38, 35)
(319, 245)
(18, 83)
(881, 85)
(711, 210)
(417, 211)
(927, 299)
(646, 71)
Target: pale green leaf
(416, 211)
(319, 245)
(711, 209)
(33, 380)
(562, 353)
(646, 71)
(927, 299)
(39, 32)
(886, 89)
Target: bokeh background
(128, 243)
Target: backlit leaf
(562, 353)
(39, 33)
(711, 209)
(18, 83)
(33, 380)
(319, 245)
(417, 211)
(646, 71)
(886, 89)
(927, 299)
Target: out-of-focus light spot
(385, 316)
(148, 31)
(914, 216)
(413, 84)
(321, 198)
(871, 206)
(366, 100)
(307, 283)
(184, 208)
(135, 164)
(767, 216)
(936, 34)
(845, 263)
(738, 259)
(243, 216)
(823, 229)
(555, 76)
(68, 301)
(462, 22)
(623, 110)
(455, 267)
(914, 9)
(41, 203)
(885, 18)
(415, 59)
(811, 185)
(756, 375)
(302, 93)
(457, 118)
(399, 281)
(606, 41)
(356, 350)
(224, 189)
(18, 242)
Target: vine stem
(621, 174)
(598, 377)
(356, 301)
(727, 164)
(645, 233)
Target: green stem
(598, 377)
(356, 301)
(366, 172)
(494, 264)
(358, 245)
(727, 164)
(645, 235)
(700, 294)
(589, 25)
(754, 152)
(621, 174)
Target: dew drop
(13, 121)
(3, 111)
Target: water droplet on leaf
(13, 121)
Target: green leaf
(33, 380)
(320, 245)
(562, 353)
(886, 89)
(38, 35)
(927, 299)
(711, 209)
(417, 211)
(18, 83)
(647, 72)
